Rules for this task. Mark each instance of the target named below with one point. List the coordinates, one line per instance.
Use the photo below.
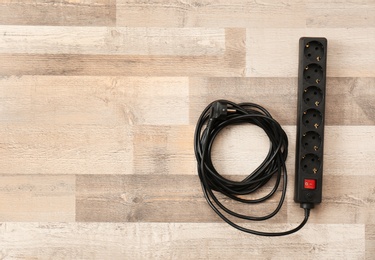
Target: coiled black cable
(218, 115)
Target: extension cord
(309, 153)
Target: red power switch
(309, 184)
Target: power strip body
(310, 120)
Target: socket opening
(310, 163)
(312, 118)
(311, 141)
(314, 51)
(313, 96)
(313, 73)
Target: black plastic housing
(312, 71)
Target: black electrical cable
(215, 117)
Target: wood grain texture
(67, 149)
(175, 241)
(64, 12)
(167, 149)
(37, 198)
(349, 14)
(172, 198)
(370, 241)
(120, 101)
(112, 40)
(230, 63)
(211, 13)
(273, 52)
(98, 105)
(130, 65)
(240, 149)
(153, 198)
(349, 100)
(246, 13)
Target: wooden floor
(98, 105)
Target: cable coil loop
(214, 118)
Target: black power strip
(310, 121)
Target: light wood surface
(98, 105)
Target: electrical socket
(310, 121)
(312, 96)
(310, 163)
(311, 141)
(312, 118)
(313, 73)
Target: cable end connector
(219, 110)
(307, 205)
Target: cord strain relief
(307, 205)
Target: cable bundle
(215, 117)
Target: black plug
(219, 110)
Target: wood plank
(94, 100)
(112, 40)
(65, 149)
(213, 13)
(109, 65)
(154, 205)
(274, 52)
(231, 63)
(346, 199)
(164, 150)
(66, 12)
(59, 149)
(92, 65)
(370, 241)
(37, 198)
(240, 149)
(175, 241)
(235, 50)
(49, 107)
(153, 198)
(141, 198)
(348, 146)
(349, 100)
(340, 14)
